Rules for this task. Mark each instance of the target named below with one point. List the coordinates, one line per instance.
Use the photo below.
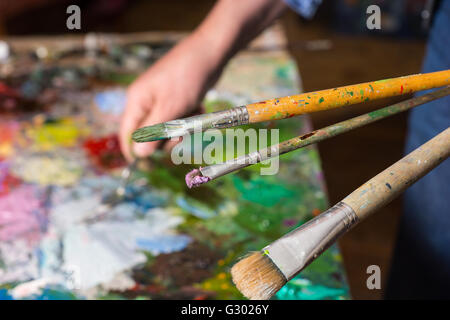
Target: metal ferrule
(297, 249)
(215, 120)
(217, 170)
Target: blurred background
(350, 53)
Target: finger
(132, 116)
(168, 146)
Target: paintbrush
(261, 274)
(202, 175)
(290, 106)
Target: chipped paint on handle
(286, 107)
(387, 185)
(220, 169)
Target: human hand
(175, 85)
(172, 88)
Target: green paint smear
(119, 78)
(259, 190)
(307, 291)
(323, 279)
(381, 81)
(321, 100)
(382, 113)
(278, 116)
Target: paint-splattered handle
(387, 185)
(286, 107)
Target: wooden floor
(348, 160)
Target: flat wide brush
(290, 106)
(205, 174)
(262, 274)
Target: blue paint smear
(54, 294)
(51, 293)
(111, 101)
(143, 198)
(193, 208)
(163, 243)
(4, 295)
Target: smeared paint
(163, 243)
(21, 214)
(7, 181)
(48, 134)
(304, 290)
(19, 260)
(97, 256)
(195, 178)
(158, 213)
(195, 207)
(48, 168)
(104, 152)
(111, 101)
(8, 134)
(332, 98)
(258, 190)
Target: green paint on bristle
(150, 133)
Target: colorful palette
(60, 240)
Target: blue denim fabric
(307, 8)
(421, 262)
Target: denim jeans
(421, 262)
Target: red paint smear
(8, 183)
(401, 89)
(105, 152)
(8, 131)
(8, 91)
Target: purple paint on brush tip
(195, 178)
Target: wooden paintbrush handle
(387, 185)
(280, 108)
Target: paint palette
(60, 240)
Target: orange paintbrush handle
(290, 106)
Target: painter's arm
(175, 85)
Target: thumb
(144, 149)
